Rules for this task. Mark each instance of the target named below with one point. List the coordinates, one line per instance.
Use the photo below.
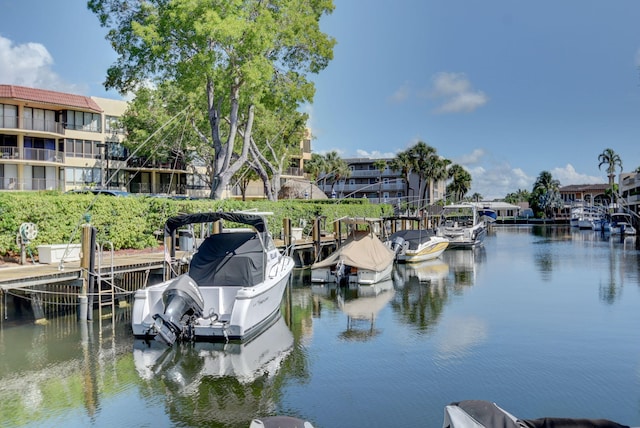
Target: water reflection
(360, 303)
(464, 264)
(227, 383)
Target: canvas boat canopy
(362, 250)
(253, 219)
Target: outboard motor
(397, 244)
(182, 298)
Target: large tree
(545, 197)
(460, 182)
(404, 162)
(237, 53)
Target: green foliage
(131, 223)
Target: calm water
(543, 321)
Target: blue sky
(505, 88)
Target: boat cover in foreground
(484, 414)
(362, 250)
(229, 259)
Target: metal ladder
(106, 295)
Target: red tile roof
(23, 93)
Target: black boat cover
(229, 259)
(479, 414)
(253, 219)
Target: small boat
(621, 224)
(462, 226)
(362, 258)
(488, 214)
(480, 414)
(417, 245)
(232, 289)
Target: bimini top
(256, 220)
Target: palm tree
(546, 194)
(610, 158)
(423, 157)
(461, 182)
(335, 168)
(380, 165)
(403, 162)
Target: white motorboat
(462, 226)
(417, 245)
(362, 258)
(621, 224)
(233, 287)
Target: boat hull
(360, 276)
(241, 311)
(427, 251)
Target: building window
(113, 125)
(8, 116)
(83, 121)
(82, 148)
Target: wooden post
(286, 225)
(85, 257)
(316, 238)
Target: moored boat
(232, 290)
(417, 245)
(462, 226)
(362, 258)
(621, 224)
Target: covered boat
(232, 289)
(362, 258)
(479, 414)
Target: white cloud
(374, 154)
(568, 175)
(30, 64)
(401, 94)
(456, 94)
(492, 179)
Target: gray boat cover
(484, 414)
(235, 258)
(362, 250)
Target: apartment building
(629, 190)
(387, 186)
(52, 140)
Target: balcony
(31, 124)
(29, 154)
(10, 183)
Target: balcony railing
(43, 125)
(41, 155)
(10, 183)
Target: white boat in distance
(362, 258)
(232, 290)
(462, 226)
(417, 245)
(621, 223)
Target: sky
(505, 88)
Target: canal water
(543, 321)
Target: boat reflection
(185, 366)
(361, 304)
(463, 263)
(432, 271)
